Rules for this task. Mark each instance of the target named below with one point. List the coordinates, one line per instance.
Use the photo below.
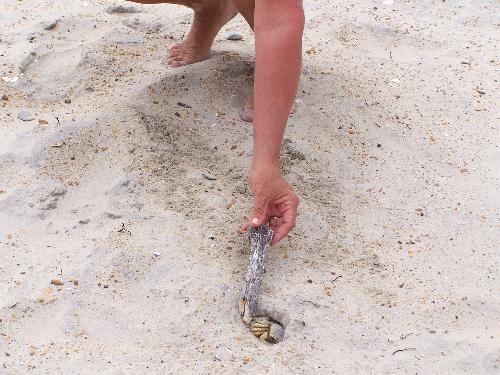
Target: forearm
(278, 39)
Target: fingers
(276, 206)
(283, 225)
(244, 227)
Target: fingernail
(255, 221)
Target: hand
(275, 203)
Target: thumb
(258, 213)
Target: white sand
(393, 266)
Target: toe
(175, 46)
(171, 60)
(174, 53)
(176, 59)
(247, 114)
(177, 63)
(247, 111)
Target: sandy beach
(119, 256)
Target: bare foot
(247, 111)
(209, 17)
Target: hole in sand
(267, 329)
(269, 324)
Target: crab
(267, 329)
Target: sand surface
(393, 149)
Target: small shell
(233, 36)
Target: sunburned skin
(247, 111)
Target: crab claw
(264, 337)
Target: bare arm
(278, 37)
